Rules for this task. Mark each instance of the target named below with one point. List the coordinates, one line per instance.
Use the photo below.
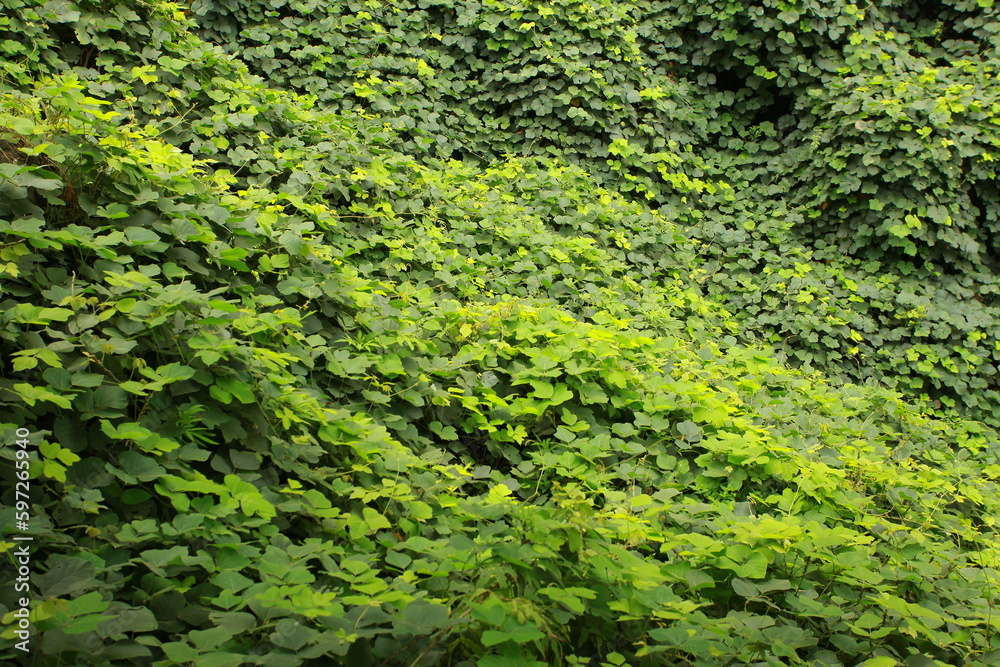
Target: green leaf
(292, 635)
(880, 661)
(715, 415)
(231, 386)
(250, 499)
(231, 581)
(206, 640)
(542, 389)
(125, 431)
(560, 394)
(519, 634)
(868, 620)
(88, 603)
(25, 363)
(422, 617)
(227, 558)
(135, 620)
(591, 392)
(132, 387)
(174, 372)
(65, 575)
(139, 466)
(32, 395)
(20, 125)
(82, 624)
(745, 588)
(220, 394)
(116, 211)
(375, 520)
(181, 653)
(420, 510)
(491, 612)
(494, 637)
(235, 622)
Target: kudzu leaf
(241, 390)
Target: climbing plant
(316, 371)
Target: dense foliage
(859, 139)
(438, 333)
